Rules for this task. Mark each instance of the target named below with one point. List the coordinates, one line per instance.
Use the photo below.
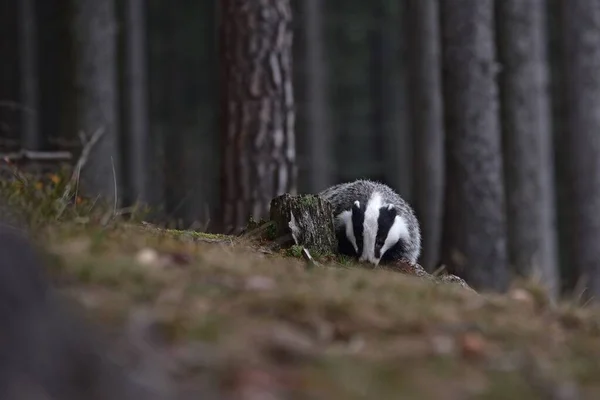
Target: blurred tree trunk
(55, 82)
(31, 137)
(427, 124)
(135, 94)
(257, 114)
(93, 31)
(10, 111)
(388, 81)
(474, 233)
(528, 161)
(581, 30)
(568, 276)
(318, 135)
(381, 89)
(175, 168)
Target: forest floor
(233, 320)
(250, 323)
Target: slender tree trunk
(568, 275)
(10, 109)
(581, 30)
(136, 95)
(427, 124)
(55, 78)
(381, 64)
(474, 237)
(319, 136)
(31, 137)
(257, 114)
(93, 31)
(527, 138)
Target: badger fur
(373, 222)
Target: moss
(199, 235)
(272, 231)
(294, 251)
(309, 200)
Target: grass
(266, 322)
(328, 332)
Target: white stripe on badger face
(345, 217)
(399, 230)
(370, 227)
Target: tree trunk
(380, 78)
(427, 124)
(318, 131)
(474, 236)
(31, 138)
(136, 107)
(55, 69)
(10, 109)
(528, 161)
(93, 31)
(394, 154)
(581, 30)
(257, 115)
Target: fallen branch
(36, 155)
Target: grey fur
(342, 196)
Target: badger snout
(373, 260)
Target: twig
(112, 163)
(438, 271)
(15, 106)
(311, 261)
(83, 158)
(37, 155)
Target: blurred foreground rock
(48, 351)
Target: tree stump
(308, 219)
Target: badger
(373, 223)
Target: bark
(55, 81)
(172, 132)
(136, 94)
(31, 137)
(427, 124)
(474, 236)
(391, 82)
(381, 88)
(308, 219)
(10, 111)
(257, 115)
(93, 31)
(319, 134)
(527, 136)
(581, 41)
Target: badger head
(382, 228)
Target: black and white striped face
(378, 226)
(372, 229)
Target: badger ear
(391, 207)
(357, 204)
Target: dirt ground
(228, 319)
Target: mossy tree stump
(308, 219)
